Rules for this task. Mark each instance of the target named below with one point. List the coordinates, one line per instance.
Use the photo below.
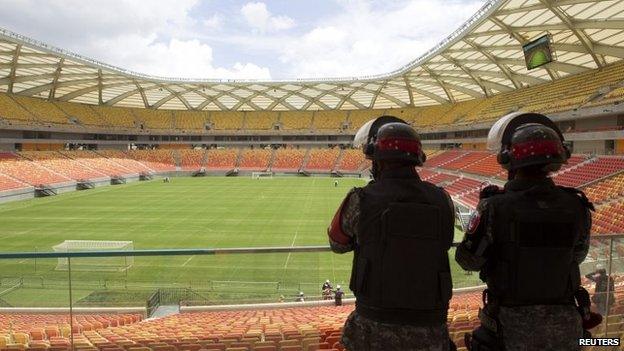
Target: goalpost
(259, 175)
(101, 264)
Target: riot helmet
(400, 142)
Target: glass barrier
(157, 300)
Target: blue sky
(277, 39)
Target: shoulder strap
(490, 191)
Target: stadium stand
(609, 219)
(592, 170)
(351, 161)
(608, 189)
(321, 160)
(29, 172)
(222, 159)
(158, 160)
(117, 116)
(190, 120)
(486, 166)
(153, 119)
(8, 183)
(13, 113)
(227, 120)
(58, 163)
(324, 120)
(357, 118)
(83, 114)
(125, 160)
(255, 160)
(296, 120)
(193, 159)
(466, 159)
(443, 158)
(44, 111)
(260, 120)
(288, 160)
(94, 161)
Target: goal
(101, 264)
(258, 175)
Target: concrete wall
(589, 146)
(17, 194)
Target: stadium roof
(481, 58)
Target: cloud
(159, 39)
(368, 39)
(260, 19)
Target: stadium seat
(255, 159)
(288, 160)
(222, 159)
(321, 160)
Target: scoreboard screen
(538, 52)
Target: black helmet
(367, 134)
(535, 144)
(398, 141)
(528, 139)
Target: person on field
(338, 294)
(326, 285)
(300, 297)
(335, 183)
(400, 229)
(527, 241)
(604, 292)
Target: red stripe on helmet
(400, 144)
(536, 148)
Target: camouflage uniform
(361, 333)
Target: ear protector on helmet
(504, 155)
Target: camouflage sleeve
(471, 252)
(349, 217)
(582, 246)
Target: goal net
(102, 264)
(258, 175)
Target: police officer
(527, 240)
(338, 294)
(400, 229)
(605, 285)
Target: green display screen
(538, 52)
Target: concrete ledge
(76, 310)
(17, 194)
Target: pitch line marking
(187, 261)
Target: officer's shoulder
(491, 191)
(578, 194)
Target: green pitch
(212, 212)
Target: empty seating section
(351, 160)
(8, 183)
(486, 166)
(260, 120)
(288, 160)
(324, 120)
(609, 219)
(608, 189)
(125, 160)
(94, 161)
(590, 171)
(158, 160)
(321, 159)
(467, 158)
(154, 119)
(192, 159)
(190, 120)
(227, 120)
(117, 116)
(222, 159)
(430, 115)
(357, 118)
(28, 172)
(58, 163)
(12, 112)
(84, 114)
(255, 160)
(296, 120)
(44, 111)
(443, 158)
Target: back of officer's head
(398, 145)
(535, 150)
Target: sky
(270, 39)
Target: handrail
(199, 252)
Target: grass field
(212, 212)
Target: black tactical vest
(401, 268)
(532, 257)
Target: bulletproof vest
(401, 269)
(532, 258)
